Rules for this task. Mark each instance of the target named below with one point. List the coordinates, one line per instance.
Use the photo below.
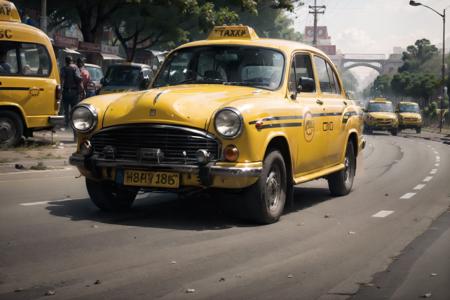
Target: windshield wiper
(247, 83)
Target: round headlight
(228, 122)
(84, 118)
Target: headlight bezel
(94, 113)
(240, 118)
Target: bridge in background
(383, 64)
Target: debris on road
(18, 290)
(94, 226)
(386, 195)
(19, 166)
(326, 216)
(190, 291)
(39, 166)
(433, 274)
(173, 262)
(50, 293)
(97, 282)
(351, 232)
(221, 279)
(290, 276)
(427, 295)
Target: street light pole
(414, 3)
(44, 15)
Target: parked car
(409, 116)
(30, 86)
(96, 73)
(380, 116)
(233, 115)
(126, 77)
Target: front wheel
(394, 132)
(265, 199)
(418, 130)
(11, 129)
(341, 182)
(109, 197)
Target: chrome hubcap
(348, 170)
(273, 189)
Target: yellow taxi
(409, 116)
(380, 116)
(234, 114)
(29, 79)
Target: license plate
(151, 179)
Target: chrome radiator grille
(178, 144)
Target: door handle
(320, 102)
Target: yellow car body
(311, 130)
(30, 85)
(409, 116)
(380, 116)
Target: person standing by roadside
(71, 83)
(86, 80)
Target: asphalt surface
(385, 240)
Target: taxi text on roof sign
(232, 32)
(8, 12)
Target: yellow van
(409, 116)
(29, 79)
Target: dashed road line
(433, 171)
(436, 165)
(438, 158)
(419, 186)
(428, 178)
(47, 202)
(383, 213)
(408, 196)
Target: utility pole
(44, 15)
(315, 10)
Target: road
(53, 240)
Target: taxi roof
(379, 100)
(408, 103)
(252, 39)
(8, 12)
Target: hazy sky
(376, 26)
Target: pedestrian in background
(86, 80)
(71, 83)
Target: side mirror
(103, 81)
(144, 83)
(306, 85)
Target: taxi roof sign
(8, 12)
(232, 32)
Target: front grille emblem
(151, 154)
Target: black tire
(368, 130)
(265, 200)
(11, 129)
(418, 130)
(394, 131)
(341, 182)
(109, 197)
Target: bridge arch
(379, 69)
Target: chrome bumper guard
(56, 120)
(212, 169)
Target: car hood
(188, 105)
(117, 89)
(410, 115)
(382, 115)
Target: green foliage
(416, 55)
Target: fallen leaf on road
(97, 282)
(190, 291)
(94, 226)
(433, 274)
(18, 290)
(173, 262)
(326, 216)
(427, 295)
(351, 232)
(386, 194)
(50, 293)
(290, 276)
(221, 279)
(19, 166)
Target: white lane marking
(438, 158)
(47, 202)
(428, 178)
(37, 171)
(419, 186)
(383, 213)
(407, 196)
(433, 171)
(436, 165)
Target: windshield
(380, 107)
(412, 108)
(229, 65)
(95, 73)
(123, 76)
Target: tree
(416, 55)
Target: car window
(380, 107)
(95, 73)
(8, 58)
(228, 65)
(327, 78)
(413, 108)
(34, 60)
(301, 67)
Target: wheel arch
(353, 137)
(280, 143)
(16, 109)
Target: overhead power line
(316, 10)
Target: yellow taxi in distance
(29, 79)
(234, 114)
(409, 116)
(380, 116)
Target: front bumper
(214, 174)
(56, 120)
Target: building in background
(323, 39)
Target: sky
(376, 26)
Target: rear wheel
(11, 129)
(341, 182)
(265, 199)
(394, 131)
(109, 197)
(418, 130)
